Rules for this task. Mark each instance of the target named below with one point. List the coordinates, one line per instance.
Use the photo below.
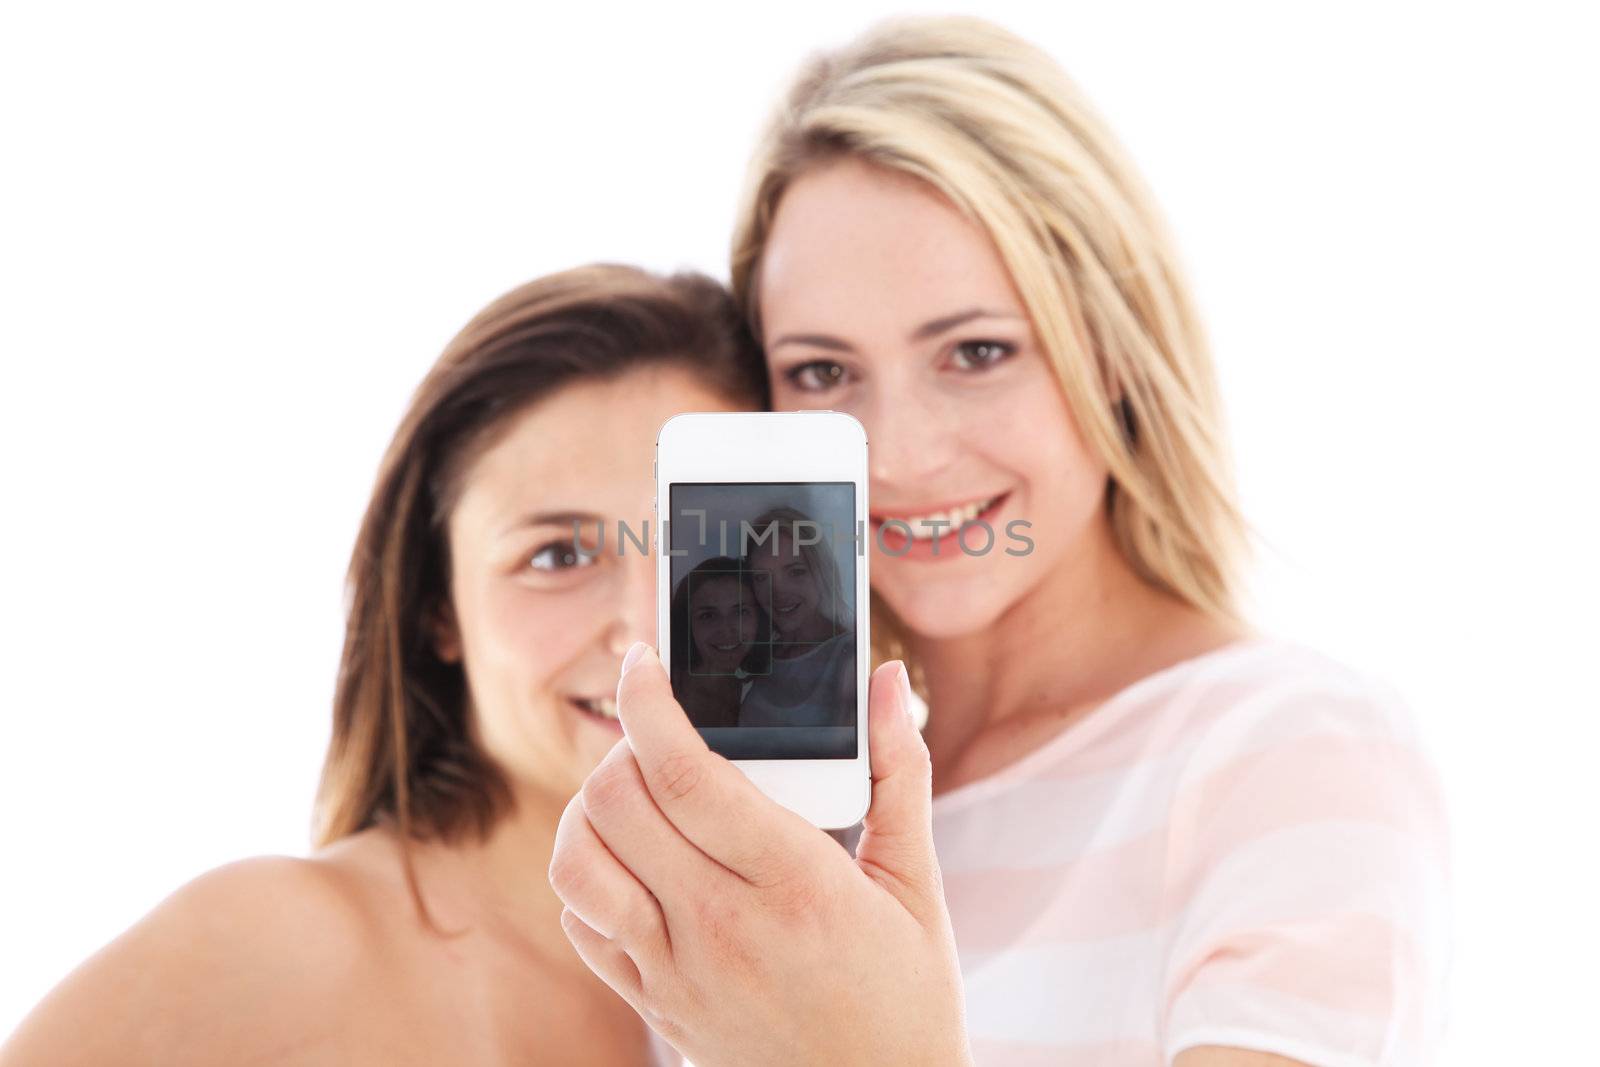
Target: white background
(234, 238)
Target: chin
(939, 610)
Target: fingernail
(905, 690)
(635, 654)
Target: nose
(636, 602)
(911, 440)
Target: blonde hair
(994, 125)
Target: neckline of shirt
(1099, 718)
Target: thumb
(896, 844)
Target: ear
(445, 633)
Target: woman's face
(787, 590)
(541, 627)
(722, 620)
(880, 299)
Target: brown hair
(402, 750)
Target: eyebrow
(928, 330)
(549, 518)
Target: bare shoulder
(1216, 1056)
(268, 906)
(247, 961)
(1277, 688)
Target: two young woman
(1163, 837)
(771, 642)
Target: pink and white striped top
(1244, 849)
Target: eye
(561, 556)
(816, 376)
(981, 355)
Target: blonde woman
(813, 669)
(491, 599)
(1164, 837)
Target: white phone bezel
(786, 446)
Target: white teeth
(725, 648)
(605, 707)
(927, 527)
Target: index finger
(706, 797)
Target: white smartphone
(761, 557)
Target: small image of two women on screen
(767, 638)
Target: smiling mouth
(937, 524)
(600, 707)
(726, 648)
(785, 609)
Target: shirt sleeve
(1306, 880)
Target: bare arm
(240, 966)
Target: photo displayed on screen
(763, 616)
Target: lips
(928, 540)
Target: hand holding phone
(737, 929)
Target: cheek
(523, 623)
(1062, 481)
(1063, 474)
(525, 636)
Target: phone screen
(764, 615)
